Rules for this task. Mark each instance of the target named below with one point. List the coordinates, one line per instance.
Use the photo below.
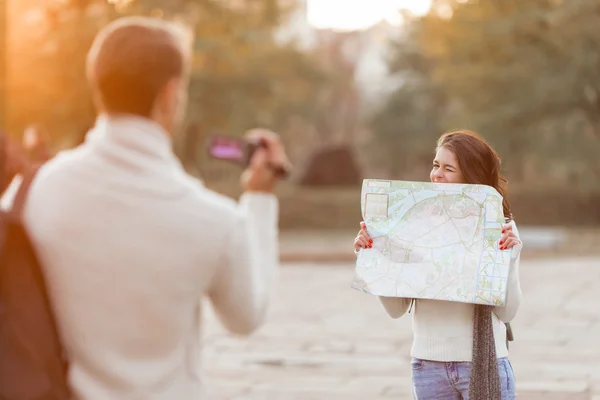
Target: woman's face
(445, 168)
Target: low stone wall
(339, 208)
(562, 208)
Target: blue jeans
(450, 380)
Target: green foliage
(525, 74)
(241, 78)
(46, 49)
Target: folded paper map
(433, 241)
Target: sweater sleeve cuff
(264, 205)
(516, 252)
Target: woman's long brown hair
(478, 161)
(480, 164)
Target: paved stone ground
(325, 341)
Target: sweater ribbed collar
(136, 136)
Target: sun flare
(360, 14)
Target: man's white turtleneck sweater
(130, 244)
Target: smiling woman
(460, 350)
(360, 14)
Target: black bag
(32, 361)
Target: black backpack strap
(509, 334)
(413, 302)
(21, 196)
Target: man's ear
(172, 89)
(166, 98)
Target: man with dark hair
(130, 243)
(135, 59)
(139, 66)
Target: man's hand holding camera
(262, 173)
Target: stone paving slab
(326, 341)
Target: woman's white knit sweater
(443, 330)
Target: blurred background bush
(352, 101)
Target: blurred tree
(526, 74)
(406, 126)
(339, 53)
(241, 77)
(46, 48)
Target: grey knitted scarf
(485, 381)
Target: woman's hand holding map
(509, 238)
(363, 240)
